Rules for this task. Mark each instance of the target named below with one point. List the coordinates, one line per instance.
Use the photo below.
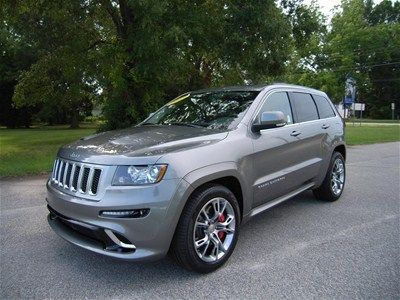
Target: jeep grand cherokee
(186, 178)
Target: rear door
(310, 137)
(330, 127)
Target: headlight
(138, 175)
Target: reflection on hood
(145, 140)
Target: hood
(141, 141)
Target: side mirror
(269, 119)
(150, 115)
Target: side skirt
(268, 205)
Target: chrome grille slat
(67, 175)
(66, 165)
(58, 171)
(54, 169)
(71, 178)
(59, 178)
(80, 178)
(89, 181)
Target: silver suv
(186, 178)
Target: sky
(327, 6)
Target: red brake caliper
(221, 234)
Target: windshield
(215, 110)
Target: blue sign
(350, 92)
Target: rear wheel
(333, 184)
(207, 230)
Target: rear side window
(278, 102)
(324, 108)
(304, 106)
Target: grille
(76, 177)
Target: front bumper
(78, 220)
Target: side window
(304, 106)
(324, 108)
(278, 102)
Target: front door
(275, 155)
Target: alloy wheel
(338, 177)
(214, 230)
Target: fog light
(134, 213)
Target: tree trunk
(75, 119)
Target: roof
(257, 88)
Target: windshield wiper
(187, 124)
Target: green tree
(363, 42)
(62, 80)
(305, 47)
(15, 55)
(134, 55)
(384, 58)
(166, 47)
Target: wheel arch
(224, 174)
(231, 183)
(341, 149)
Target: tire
(193, 227)
(327, 190)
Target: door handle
(295, 133)
(325, 126)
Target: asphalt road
(301, 249)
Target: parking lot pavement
(302, 249)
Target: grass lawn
(350, 121)
(358, 135)
(32, 151)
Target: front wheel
(207, 230)
(333, 184)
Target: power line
(386, 80)
(366, 50)
(364, 66)
(383, 64)
(371, 49)
(340, 55)
(341, 69)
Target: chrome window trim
(286, 90)
(330, 103)
(265, 100)
(313, 101)
(261, 103)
